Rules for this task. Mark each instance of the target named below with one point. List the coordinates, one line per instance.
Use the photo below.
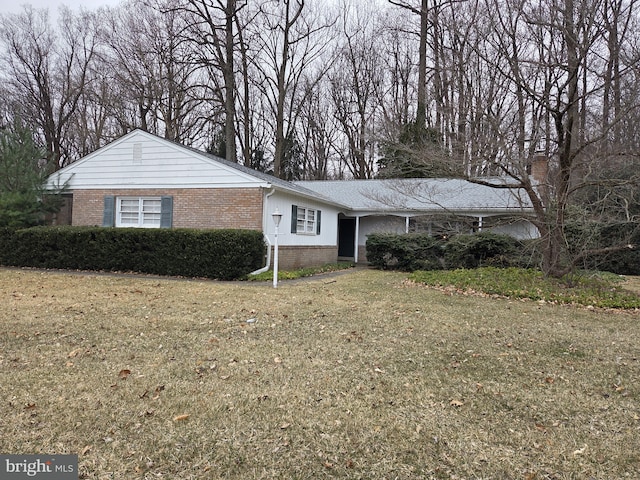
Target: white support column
(479, 224)
(357, 234)
(406, 224)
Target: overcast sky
(13, 6)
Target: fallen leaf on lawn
(30, 406)
(277, 360)
(284, 426)
(85, 450)
(580, 451)
(74, 353)
(456, 403)
(181, 418)
(124, 373)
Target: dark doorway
(346, 237)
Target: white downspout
(264, 234)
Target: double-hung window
(141, 212)
(305, 220)
(138, 212)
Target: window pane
(151, 209)
(128, 205)
(129, 212)
(129, 218)
(151, 205)
(306, 220)
(151, 219)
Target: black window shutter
(318, 216)
(294, 218)
(109, 211)
(166, 212)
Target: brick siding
(192, 208)
(294, 257)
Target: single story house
(142, 180)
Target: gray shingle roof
(421, 195)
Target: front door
(346, 237)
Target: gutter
(264, 233)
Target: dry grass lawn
(361, 375)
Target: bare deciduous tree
(212, 31)
(46, 71)
(354, 90)
(291, 47)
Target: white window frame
(148, 213)
(306, 221)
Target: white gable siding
(140, 161)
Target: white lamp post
(277, 216)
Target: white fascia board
(438, 211)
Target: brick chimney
(539, 168)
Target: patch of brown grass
(361, 376)
(632, 284)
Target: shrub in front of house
(220, 254)
(484, 249)
(408, 252)
(624, 260)
(413, 252)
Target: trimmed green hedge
(413, 252)
(219, 254)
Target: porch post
(406, 224)
(357, 234)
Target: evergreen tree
(23, 172)
(417, 153)
(292, 167)
(218, 144)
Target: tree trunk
(229, 84)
